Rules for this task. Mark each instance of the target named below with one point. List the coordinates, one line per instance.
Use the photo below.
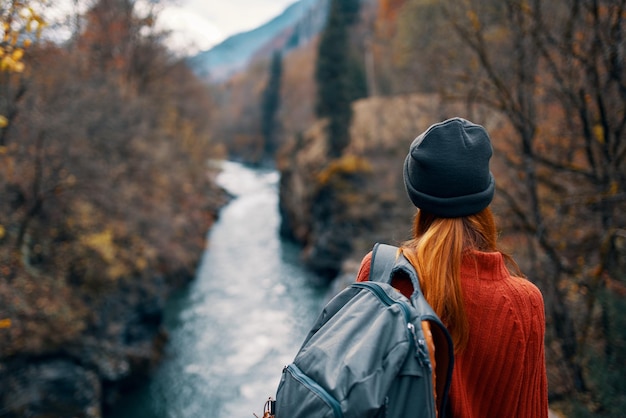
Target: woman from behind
(494, 315)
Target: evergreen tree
(334, 74)
(271, 104)
(350, 10)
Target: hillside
(105, 200)
(296, 26)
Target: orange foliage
(387, 19)
(388, 9)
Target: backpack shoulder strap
(387, 262)
(383, 261)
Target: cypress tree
(271, 104)
(350, 10)
(336, 87)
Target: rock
(50, 388)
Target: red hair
(436, 251)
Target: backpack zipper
(315, 388)
(422, 351)
(385, 298)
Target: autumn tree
(411, 44)
(554, 71)
(21, 24)
(118, 40)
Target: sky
(200, 24)
(195, 25)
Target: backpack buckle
(269, 410)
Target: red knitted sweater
(502, 372)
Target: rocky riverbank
(69, 350)
(337, 208)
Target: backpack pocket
(302, 397)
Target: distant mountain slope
(296, 25)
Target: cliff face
(338, 208)
(83, 375)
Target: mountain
(298, 24)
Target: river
(240, 321)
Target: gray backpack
(367, 355)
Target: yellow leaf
(2, 231)
(5, 323)
(598, 131)
(141, 263)
(4, 122)
(102, 242)
(6, 63)
(18, 54)
(473, 17)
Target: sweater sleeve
(364, 270)
(535, 385)
(403, 285)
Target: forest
(105, 200)
(106, 196)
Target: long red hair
(436, 250)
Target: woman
(496, 318)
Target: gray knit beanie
(447, 172)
